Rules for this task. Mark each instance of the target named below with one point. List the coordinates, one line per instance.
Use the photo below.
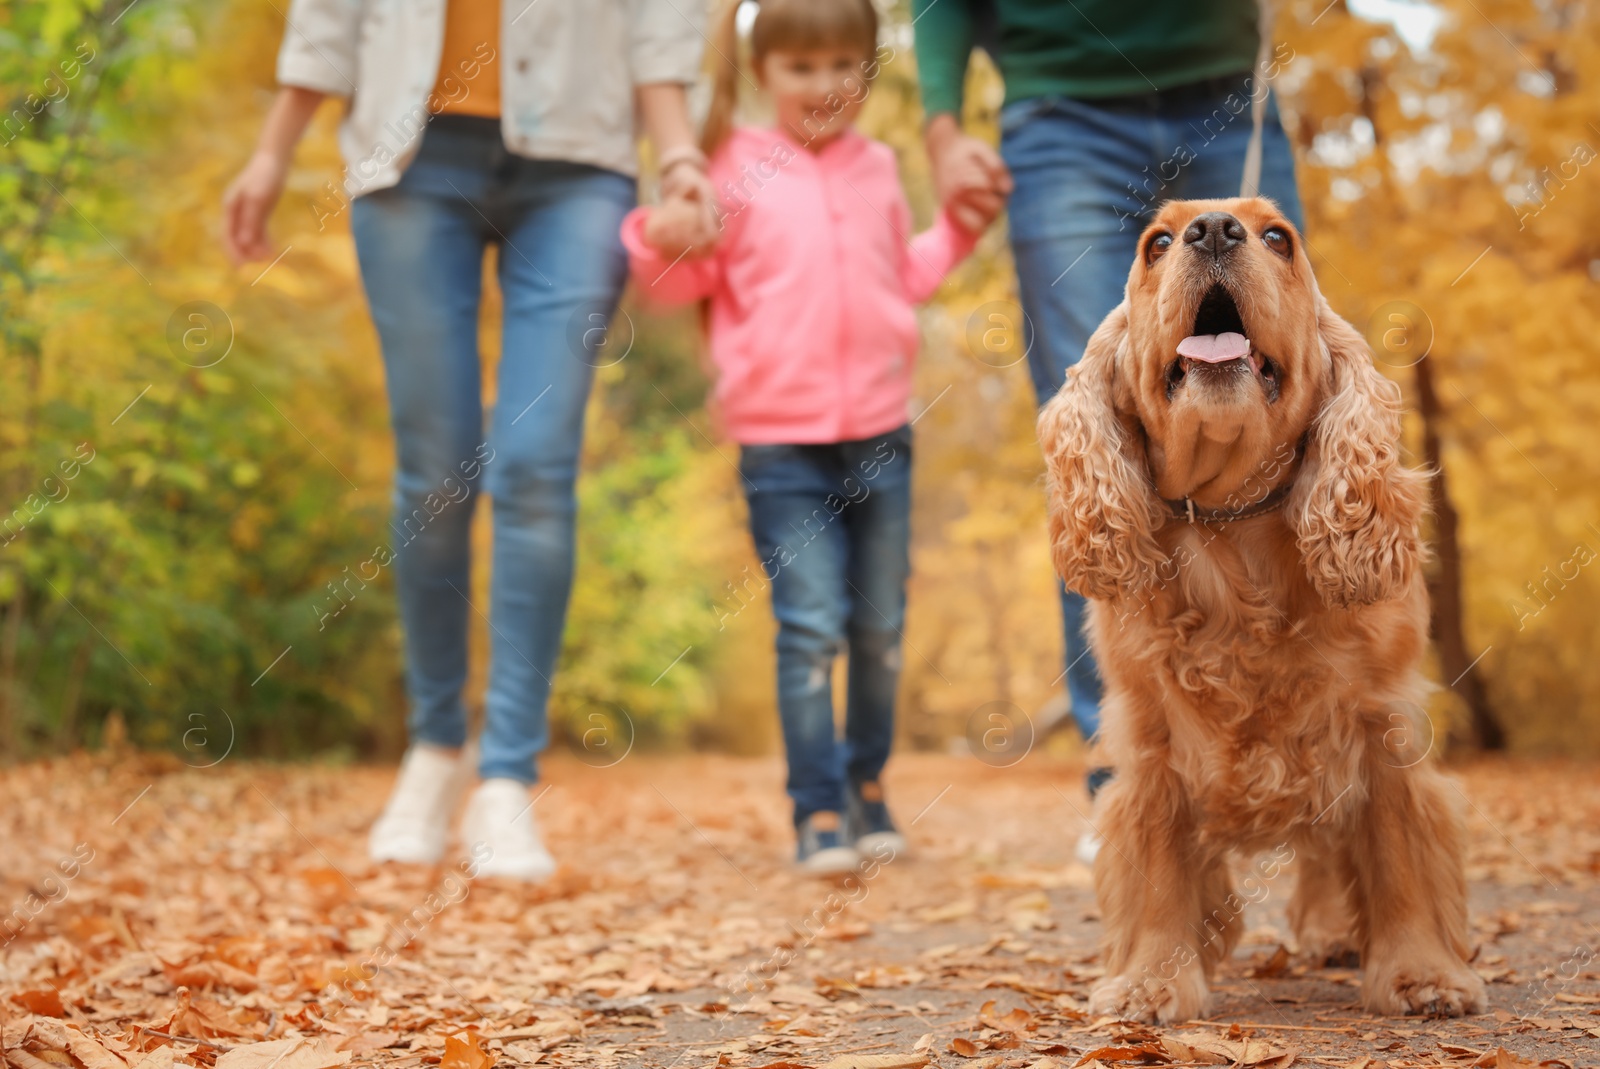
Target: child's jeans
(832, 525)
(561, 268)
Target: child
(812, 332)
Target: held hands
(971, 179)
(676, 225)
(685, 220)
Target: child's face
(818, 92)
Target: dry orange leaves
(231, 921)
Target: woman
(470, 123)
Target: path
(219, 904)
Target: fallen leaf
(466, 1051)
(45, 1059)
(1147, 1053)
(1460, 1051)
(1017, 1021)
(45, 1001)
(90, 1053)
(202, 1018)
(1500, 1058)
(964, 1047)
(206, 974)
(1182, 1051)
(953, 912)
(160, 1058)
(362, 1042)
(1273, 966)
(1234, 1049)
(878, 1061)
(297, 1052)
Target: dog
(1226, 487)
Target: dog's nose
(1215, 232)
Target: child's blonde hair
(783, 26)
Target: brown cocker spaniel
(1226, 485)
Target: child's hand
(975, 210)
(676, 226)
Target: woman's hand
(248, 204)
(664, 109)
(250, 197)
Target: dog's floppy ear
(1103, 511)
(1356, 508)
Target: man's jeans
(832, 525)
(1089, 175)
(561, 269)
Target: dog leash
(1250, 183)
(1184, 508)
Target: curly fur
(1257, 673)
(1100, 478)
(1356, 511)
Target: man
(1111, 108)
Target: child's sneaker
(868, 824)
(416, 823)
(822, 850)
(1088, 848)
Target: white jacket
(567, 73)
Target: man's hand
(969, 176)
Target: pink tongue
(1215, 348)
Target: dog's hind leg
(1320, 912)
(1221, 911)
(1153, 885)
(1411, 893)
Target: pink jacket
(811, 287)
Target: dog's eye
(1277, 240)
(1157, 248)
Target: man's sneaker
(415, 824)
(499, 832)
(822, 850)
(868, 824)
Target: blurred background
(195, 460)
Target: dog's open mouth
(1220, 348)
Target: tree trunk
(1444, 583)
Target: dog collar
(1184, 508)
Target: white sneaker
(500, 816)
(415, 825)
(1088, 848)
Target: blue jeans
(1089, 175)
(832, 525)
(561, 269)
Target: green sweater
(1084, 48)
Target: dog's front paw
(1151, 999)
(1449, 989)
